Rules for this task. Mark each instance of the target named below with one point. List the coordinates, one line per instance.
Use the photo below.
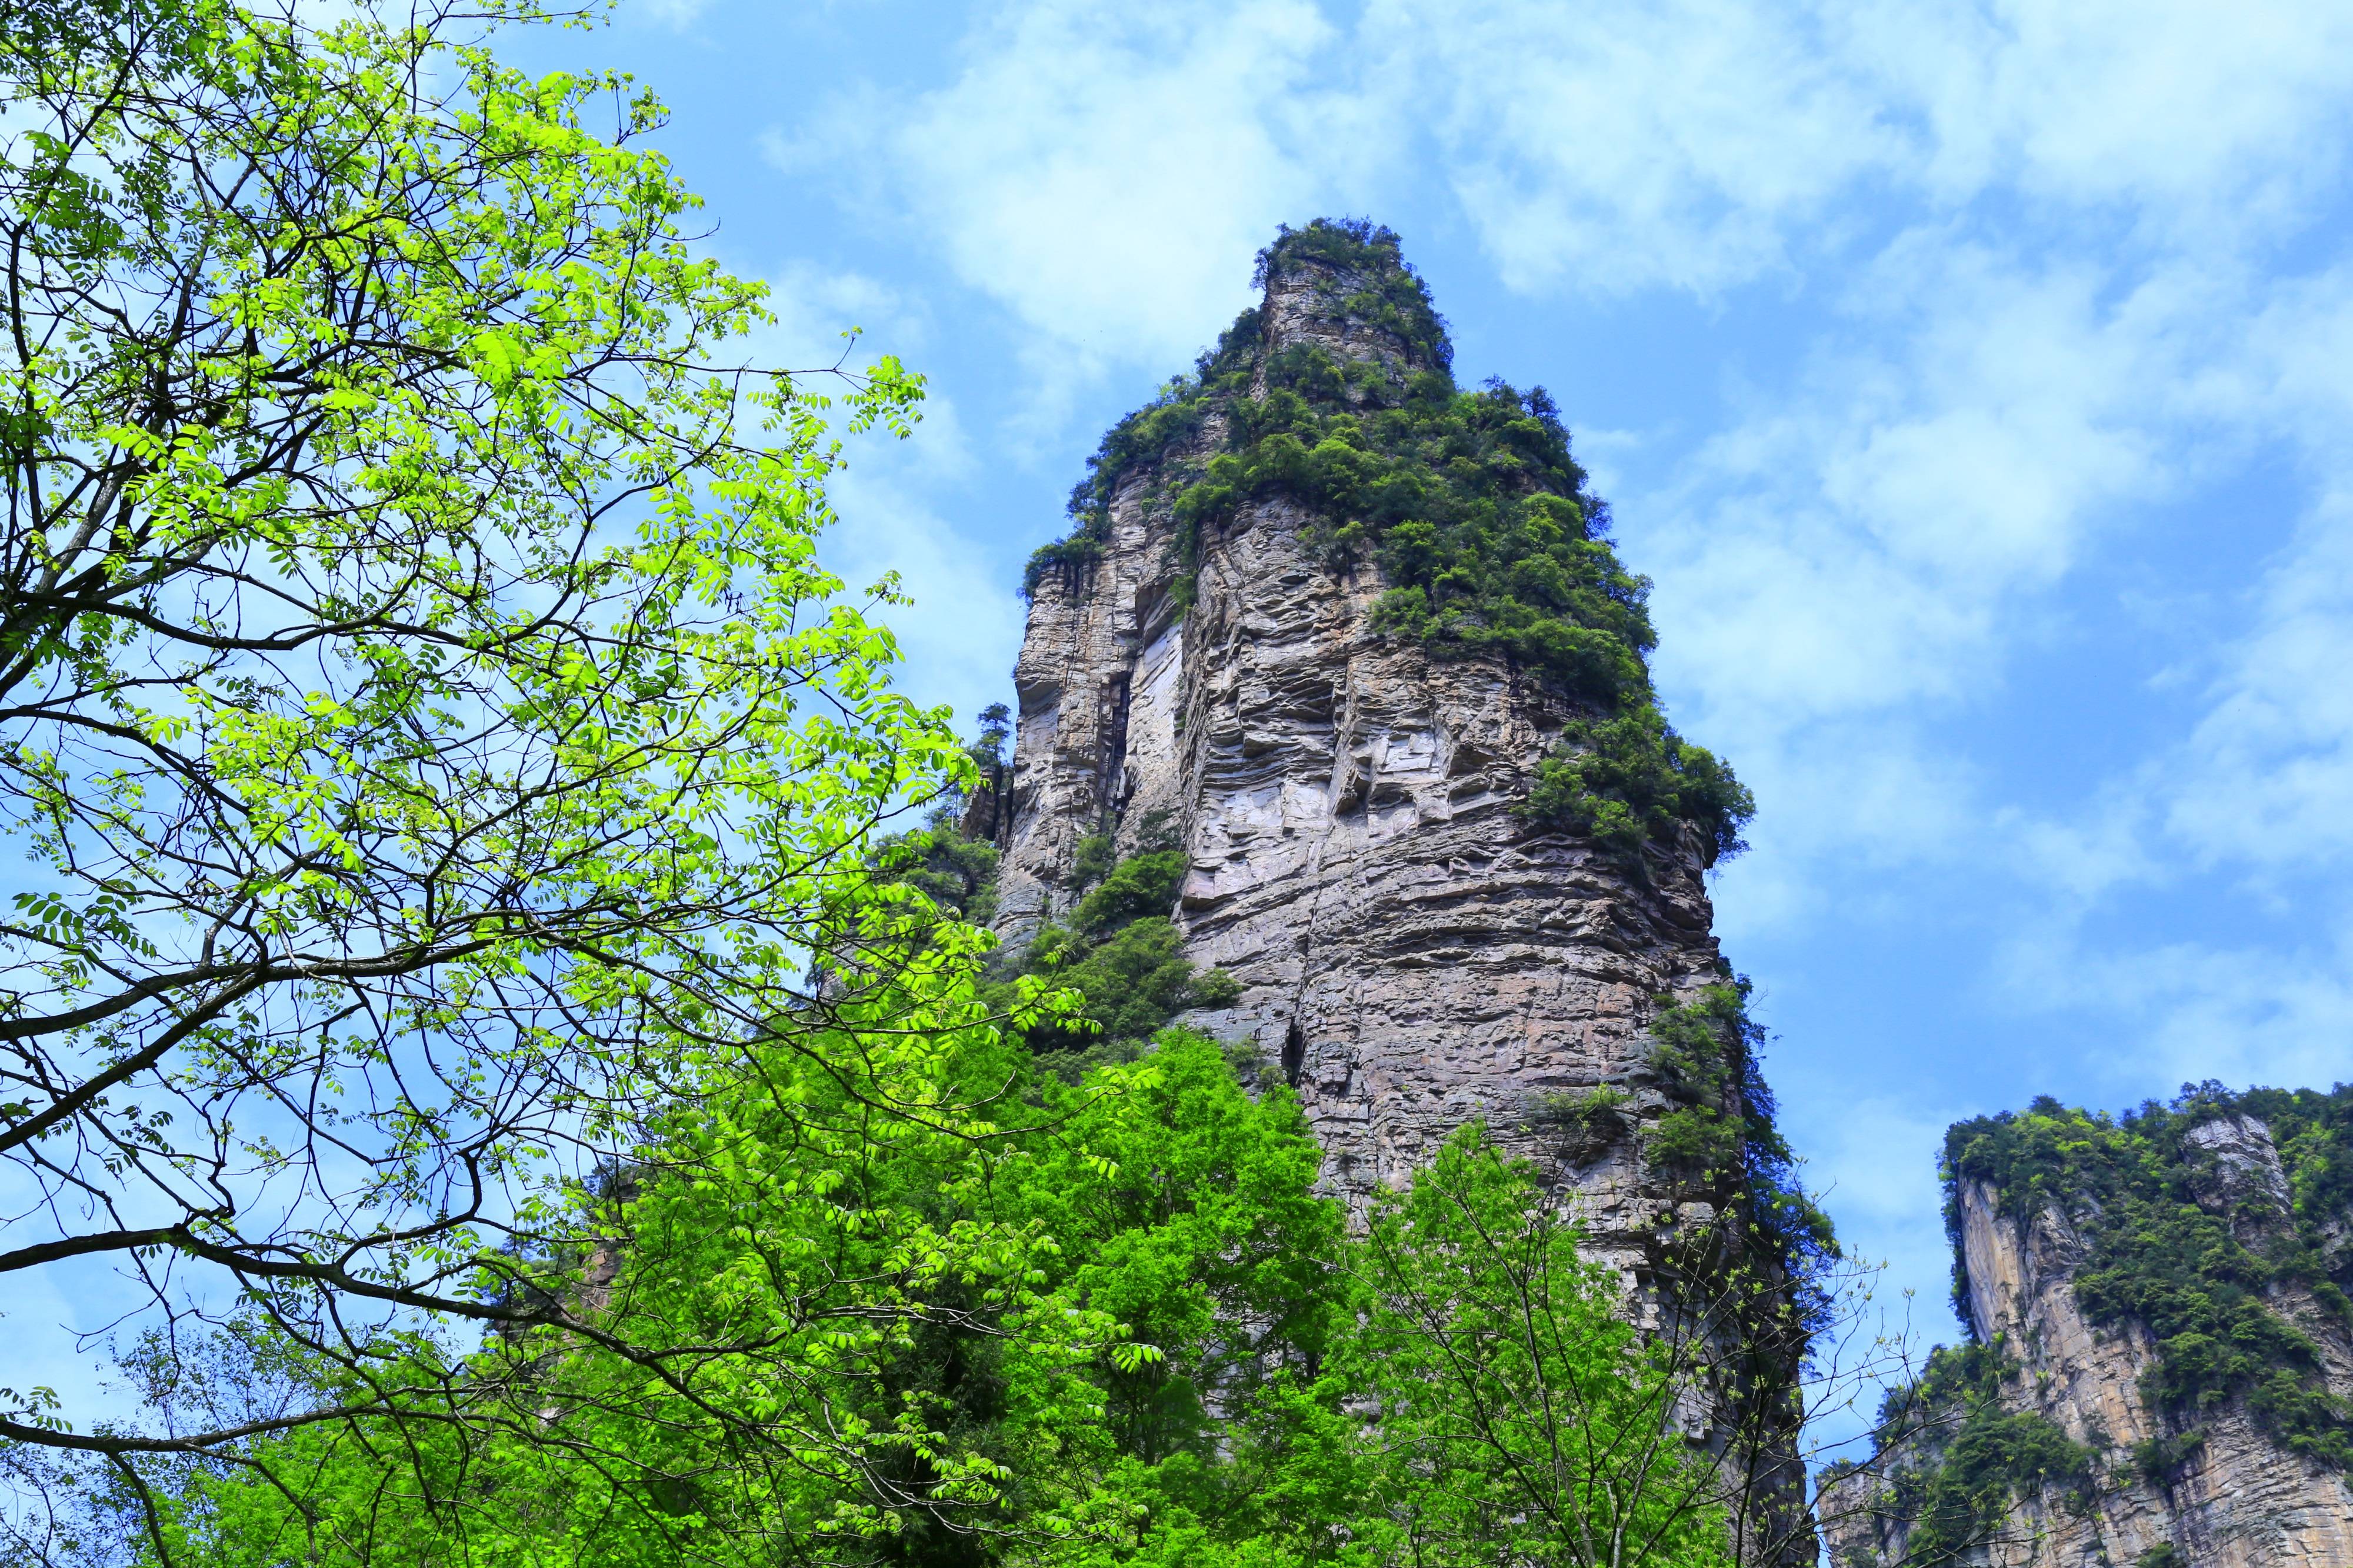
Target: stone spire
(1412, 954)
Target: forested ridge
(2204, 1283)
(2201, 1243)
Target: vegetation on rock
(1117, 959)
(2203, 1282)
(1467, 502)
(1721, 1134)
(1969, 1455)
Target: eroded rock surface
(2237, 1498)
(1412, 954)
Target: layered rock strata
(1412, 954)
(2224, 1493)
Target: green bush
(1630, 779)
(1092, 860)
(1694, 1138)
(1587, 1123)
(1117, 953)
(1723, 1134)
(957, 873)
(1521, 1415)
(1138, 886)
(1164, 1361)
(1984, 1454)
(1132, 982)
(2158, 1459)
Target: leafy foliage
(1153, 1349)
(432, 743)
(1521, 1420)
(957, 873)
(1468, 504)
(1706, 1052)
(1128, 985)
(1118, 962)
(1631, 778)
(1985, 1456)
(1121, 955)
(1589, 1123)
(2161, 1258)
(1141, 885)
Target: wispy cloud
(1098, 170)
(673, 13)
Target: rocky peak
(1345, 288)
(2163, 1367)
(2234, 1170)
(1357, 639)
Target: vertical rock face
(2180, 1469)
(1411, 953)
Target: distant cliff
(1347, 647)
(2162, 1366)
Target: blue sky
(1975, 381)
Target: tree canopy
(432, 739)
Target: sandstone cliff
(2165, 1348)
(1412, 949)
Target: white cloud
(2184, 1011)
(2267, 779)
(678, 14)
(1869, 535)
(1871, 798)
(816, 307)
(1101, 170)
(1625, 144)
(1876, 1160)
(1863, 550)
(2001, 390)
(2188, 112)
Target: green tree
(1128, 1332)
(1522, 1419)
(436, 748)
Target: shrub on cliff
(1631, 780)
(1721, 1136)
